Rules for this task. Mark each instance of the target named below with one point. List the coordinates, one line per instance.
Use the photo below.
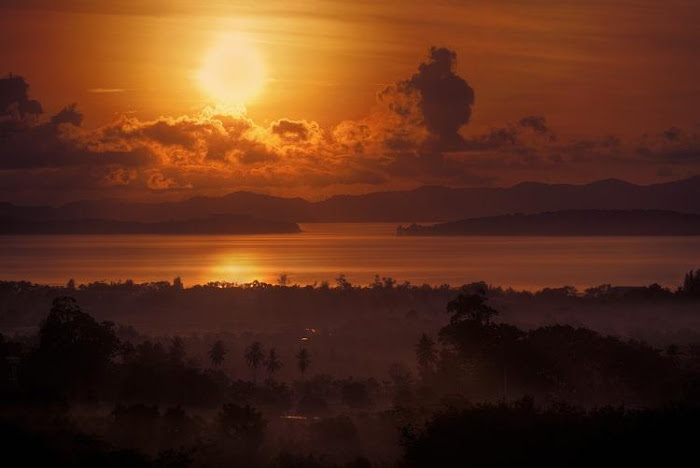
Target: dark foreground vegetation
(477, 390)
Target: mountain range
(425, 204)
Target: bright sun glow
(233, 71)
(237, 267)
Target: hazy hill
(221, 224)
(568, 223)
(421, 204)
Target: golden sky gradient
(597, 71)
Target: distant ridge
(221, 224)
(429, 203)
(567, 223)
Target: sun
(233, 71)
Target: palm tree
(272, 363)
(426, 355)
(254, 356)
(303, 360)
(217, 353)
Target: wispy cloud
(106, 90)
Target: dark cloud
(14, 99)
(28, 143)
(437, 169)
(524, 136)
(672, 146)
(411, 137)
(254, 153)
(159, 181)
(58, 143)
(673, 134)
(164, 131)
(68, 115)
(291, 129)
(446, 99)
(416, 121)
(118, 176)
(536, 123)
(168, 133)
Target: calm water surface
(359, 251)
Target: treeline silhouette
(79, 393)
(359, 329)
(689, 287)
(480, 358)
(522, 434)
(23, 303)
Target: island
(567, 223)
(214, 224)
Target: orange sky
(593, 69)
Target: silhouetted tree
(254, 357)
(272, 363)
(555, 293)
(426, 355)
(217, 353)
(177, 283)
(303, 360)
(471, 307)
(599, 291)
(74, 350)
(479, 288)
(342, 282)
(402, 382)
(177, 350)
(283, 280)
(691, 283)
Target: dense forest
(78, 391)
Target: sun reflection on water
(237, 268)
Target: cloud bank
(416, 134)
